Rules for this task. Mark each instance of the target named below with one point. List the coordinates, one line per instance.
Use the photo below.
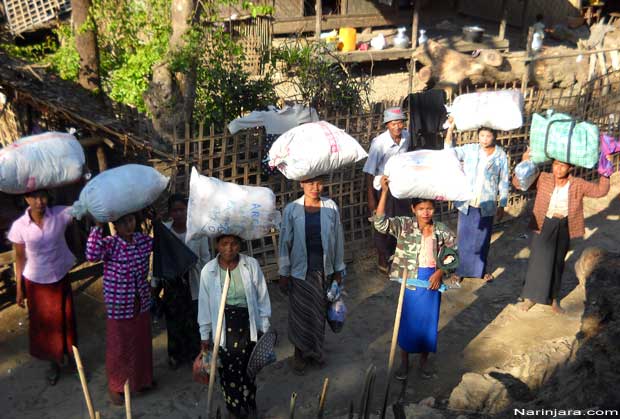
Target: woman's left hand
(434, 282)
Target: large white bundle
(501, 110)
(40, 161)
(432, 174)
(120, 191)
(216, 207)
(314, 149)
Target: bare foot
(557, 308)
(526, 304)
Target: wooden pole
(127, 399)
(504, 21)
(322, 398)
(97, 415)
(399, 312)
(318, 8)
(415, 23)
(529, 65)
(80, 368)
(216, 343)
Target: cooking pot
(473, 33)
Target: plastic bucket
(348, 38)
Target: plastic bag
(336, 315)
(216, 207)
(501, 110)
(431, 174)
(120, 191)
(609, 145)
(314, 149)
(40, 161)
(201, 368)
(526, 173)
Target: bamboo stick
(216, 343)
(80, 368)
(291, 410)
(322, 398)
(127, 399)
(399, 311)
(97, 415)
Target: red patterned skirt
(52, 319)
(129, 353)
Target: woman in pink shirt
(42, 260)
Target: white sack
(120, 191)
(431, 174)
(501, 110)
(314, 149)
(40, 162)
(216, 207)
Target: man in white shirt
(393, 141)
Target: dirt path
(480, 328)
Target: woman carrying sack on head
(42, 261)
(180, 299)
(557, 218)
(311, 256)
(127, 296)
(419, 239)
(246, 316)
(486, 167)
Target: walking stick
(322, 398)
(291, 410)
(399, 312)
(127, 399)
(97, 415)
(80, 368)
(216, 343)
(370, 373)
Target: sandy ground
(480, 328)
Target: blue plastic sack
(336, 315)
(526, 173)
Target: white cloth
(382, 148)
(256, 293)
(276, 121)
(478, 191)
(200, 247)
(559, 201)
(293, 255)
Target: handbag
(263, 353)
(561, 137)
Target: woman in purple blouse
(127, 295)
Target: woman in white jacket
(247, 314)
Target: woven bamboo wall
(237, 158)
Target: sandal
(298, 366)
(402, 373)
(117, 399)
(53, 374)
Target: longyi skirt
(52, 319)
(420, 317)
(474, 241)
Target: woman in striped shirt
(129, 351)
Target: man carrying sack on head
(395, 140)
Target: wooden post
(399, 312)
(526, 4)
(530, 63)
(504, 22)
(80, 368)
(415, 23)
(319, 15)
(216, 344)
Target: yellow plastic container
(348, 38)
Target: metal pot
(473, 33)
